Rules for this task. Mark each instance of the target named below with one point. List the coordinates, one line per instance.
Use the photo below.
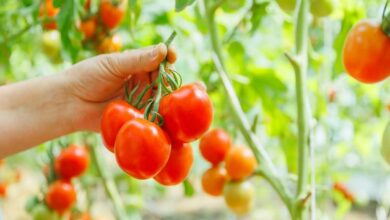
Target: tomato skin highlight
(178, 166)
(214, 145)
(110, 15)
(240, 162)
(239, 196)
(366, 53)
(60, 196)
(115, 115)
(72, 162)
(213, 180)
(142, 148)
(187, 113)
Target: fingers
(142, 60)
(172, 55)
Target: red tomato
(110, 44)
(366, 53)
(213, 180)
(47, 10)
(142, 148)
(60, 196)
(3, 189)
(115, 115)
(240, 162)
(178, 165)
(187, 113)
(110, 14)
(88, 27)
(73, 161)
(214, 145)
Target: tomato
(41, 212)
(115, 115)
(240, 162)
(142, 148)
(72, 162)
(3, 189)
(214, 145)
(385, 148)
(341, 188)
(187, 113)
(233, 5)
(51, 43)
(80, 216)
(110, 44)
(321, 8)
(239, 196)
(60, 196)
(88, 27)
(287, 5)
(110, 15)
(366, 53)
(178, 166)
(213, 180)
(48, 11)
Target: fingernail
(157, 50)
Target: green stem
(268, 170)
(108, 183)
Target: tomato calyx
(385, 25)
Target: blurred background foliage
(349, 117)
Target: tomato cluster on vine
(61, 195)
(151, 136)
(231, 166)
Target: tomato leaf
(188, 188)
(258, 11)
(66, 22)
(58, 3)
(182, 4)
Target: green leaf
(258, 11)
(188, 188)
(66, 22)
(182, 4)
(58, 3)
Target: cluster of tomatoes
(61, 194)
(229, 172)
(96, 26)
(143, 149)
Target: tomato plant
(146, 144)
(187, 113)
(115, 115)
(239, 196)
(213, 180)
(73, 161)
(240, 162)
(214, 145)
(178, 166)
(60, 196)
(366, 53)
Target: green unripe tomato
(385, 148)
(239, 196)
(321, 8)
(51, 43)
(287, 5)
(41, 212)
(232, 5)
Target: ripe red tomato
(142, 148)
(366, 53)
(240, 162)
(60, 196)
(88, 27)
(111, 15)
(213, 180)
(3, 189)
(187, 113)
(73, 161)
(214, 145)
(47, 10)
(178, 165)
(115, 115)
(239, 196)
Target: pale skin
(41, 109)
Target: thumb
(136, 61)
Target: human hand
(93, 83)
